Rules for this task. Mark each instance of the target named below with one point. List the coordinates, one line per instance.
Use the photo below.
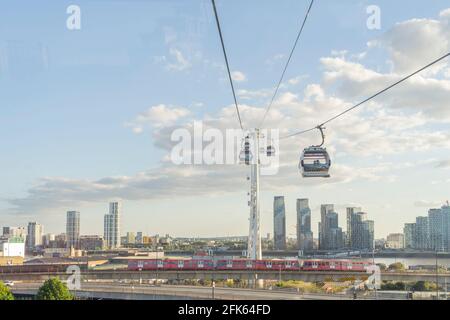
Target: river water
(414, 261)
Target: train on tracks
(246, 264)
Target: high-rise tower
(112, 225)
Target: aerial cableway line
(227, 63)
(287, 63)
(368, 99)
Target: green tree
(424, 286)
(5, 293)
(397, 266)
(393, 286)
(54, 289)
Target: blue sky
(69, 101)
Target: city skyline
(105, 99)
(279, 216)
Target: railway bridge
(308, 276)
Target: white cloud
(238, 76)
(445, 14)
(425, 94)
(167, 182)
(339, 53)
(427, 204)
(447, 73)
(170, 36)
(400, 122)
(198, 104)
(180, 62)
(254, 94)
(138, 130)
(359, 56)
(296, 80)
(443, 164)
(414, 42)
(157, 116)
(274, 59)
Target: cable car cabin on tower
(246, 157)
(270, 151)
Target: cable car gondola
(315, 161)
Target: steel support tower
(254, 236)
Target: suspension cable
(227, 64)
(287, 64)
(368, 99)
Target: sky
(87, 115)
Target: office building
(15, 232)
(331, 236)
(431, 233)
(48, 240)
(139, 238)
(395, 241)
(112, 226)
(131, 238)
(35, 233)
(422, 234)
(361, 232)
(409, 232)
(60, 241)
(439, 230)
(14, 247)
(369, 234)
(91, 242)
(146, 240)
(351, 211)
(279, 223)
(73, 229)
(304, 232)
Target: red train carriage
(334, 265)
(195, 264)
(246, 264)
(171, 264)
(283, 265)
(235, 264)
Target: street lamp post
(157, 266)
(437, 277)
(445, 288)
(279, 274)
(373, 262)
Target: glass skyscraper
(330, 235)
(112, 225)
(409, 232)
(73, 229)
(279, 223)
(304, 234)
(360, 231)
(351, 212)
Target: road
(147, 292)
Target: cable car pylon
(254, 250)
(254, 239)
